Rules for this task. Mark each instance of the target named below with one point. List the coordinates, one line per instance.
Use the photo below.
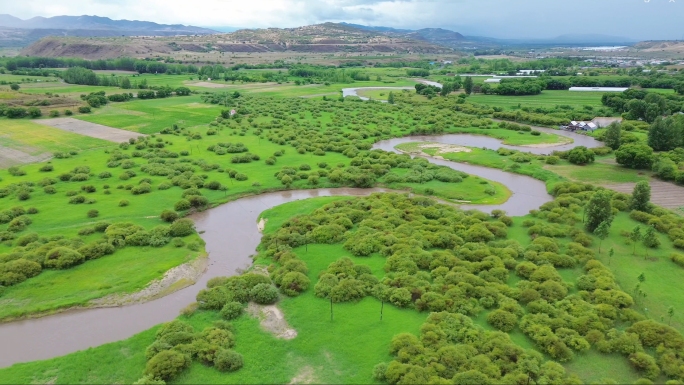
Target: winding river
(231, 237)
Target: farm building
(580, 126)
(599, 89)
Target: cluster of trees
(19, 112)
(122, 64)
(515, 87)
(177, 344)
(33, 253)
(323, 74)
(643, 105)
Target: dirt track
(11, 157)
(663, 194)
(89, 129)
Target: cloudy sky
(636, 19)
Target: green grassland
(318, 349)
(113, 274)
(36, 139)
(151, 116)
(548, 99)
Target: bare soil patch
(209, 85)
(272, 320)
(445, 148)
(11, 157)
(305, 375)
(89, 129)
(663, 194)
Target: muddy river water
(231, 236)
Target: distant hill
(319, 38)
(15, 32)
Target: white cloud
(500, 18)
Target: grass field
(35, 139)
(150, 116)
(548, 99)
(318, 354)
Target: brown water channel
(231, 236)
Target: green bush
(502, 320)
(231, 310)
(182, 205)
(167, 365)
(228, 361)
(294, 283)
(93, 213)
(182, 228)
(169, 216)
(63, 258)
(123, 203)
(264, 294)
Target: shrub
(228, 360)
(62, 258)
(167, 364)
(677, 258)
(84, 110)
(182, 228)
(68, 112)
(49, 189)
(169, 216)
(105, 175)
(231, 310)
(502, 320)
(580, 155)
(241, 177)
(634, 155)
(47, 168)
(182, 205)
(293, 283)
(123, 203)
(93, 213)
(264, 294)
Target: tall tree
(390, 98)
(635, 237)
(662, 136)
(651, 238)
(613, 133)
(468, 85)
(602, 232)
(598, 210)
(126, 83)
(641, 196)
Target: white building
(599, 89)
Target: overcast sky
(636, 19)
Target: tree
(635, 236)
(598, 210)
(390, 98)
(651, 238)
(468, 85)
(14, 87)
(610, 255)
(602, 232)
(641, 196)
(661, 135)
(126, 83)
(634, 155)
(670, 313)
(613, 133)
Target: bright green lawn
(35, 139)
(548, 99)
(150, 116)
